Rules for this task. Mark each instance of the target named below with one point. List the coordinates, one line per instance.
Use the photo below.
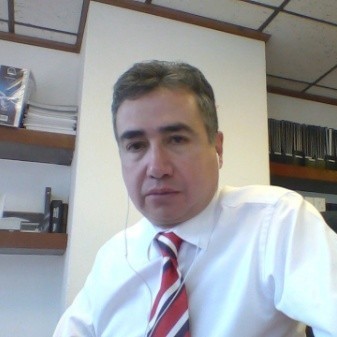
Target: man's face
(169, 166)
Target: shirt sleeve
(77, 319)
(300, 264)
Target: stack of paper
(51, 118)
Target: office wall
(116, 38)
(302, 111)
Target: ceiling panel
(323, 10)
(330, 80)
(4, 9)
(322, 92)
(63, 15)
(45, 34)
(274, 3)
(286, 84)
(300, 49)
(231, 11)
(3, 27)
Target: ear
(219, 147)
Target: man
(255, 261)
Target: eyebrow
(130, 134)
(176, 127)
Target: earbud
(219, 159)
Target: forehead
(157, 109)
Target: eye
(135, 146)
(178, 139)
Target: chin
(163, 221)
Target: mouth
(160, 192)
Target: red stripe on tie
(169, 314)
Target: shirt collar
(196, 231)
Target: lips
(160, 192)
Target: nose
(159, 163)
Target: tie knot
(169, 244)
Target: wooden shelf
(36, 146)
(303, 178)
(32, 243)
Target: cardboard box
(16, 87)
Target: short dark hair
(144, 77)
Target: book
(57, 209)
(45, 223)
(50, 121)
(302, 144)
(2, 204)
(53, 107)
(31, 111)
(52, 118)
(16, 87)
(44, 128)
(64, 218)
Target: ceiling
(300, 35)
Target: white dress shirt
(257, 261)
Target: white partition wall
(115, 39)
(302, 111)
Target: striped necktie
(169, 314)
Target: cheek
(130, 178)
(133, 177)
(202, 164)
(201, 172)
(192, 172)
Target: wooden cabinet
(36, 146)
(303, 178)
(41, 147)
(32, 243)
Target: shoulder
(271, 204)
(257, 194)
